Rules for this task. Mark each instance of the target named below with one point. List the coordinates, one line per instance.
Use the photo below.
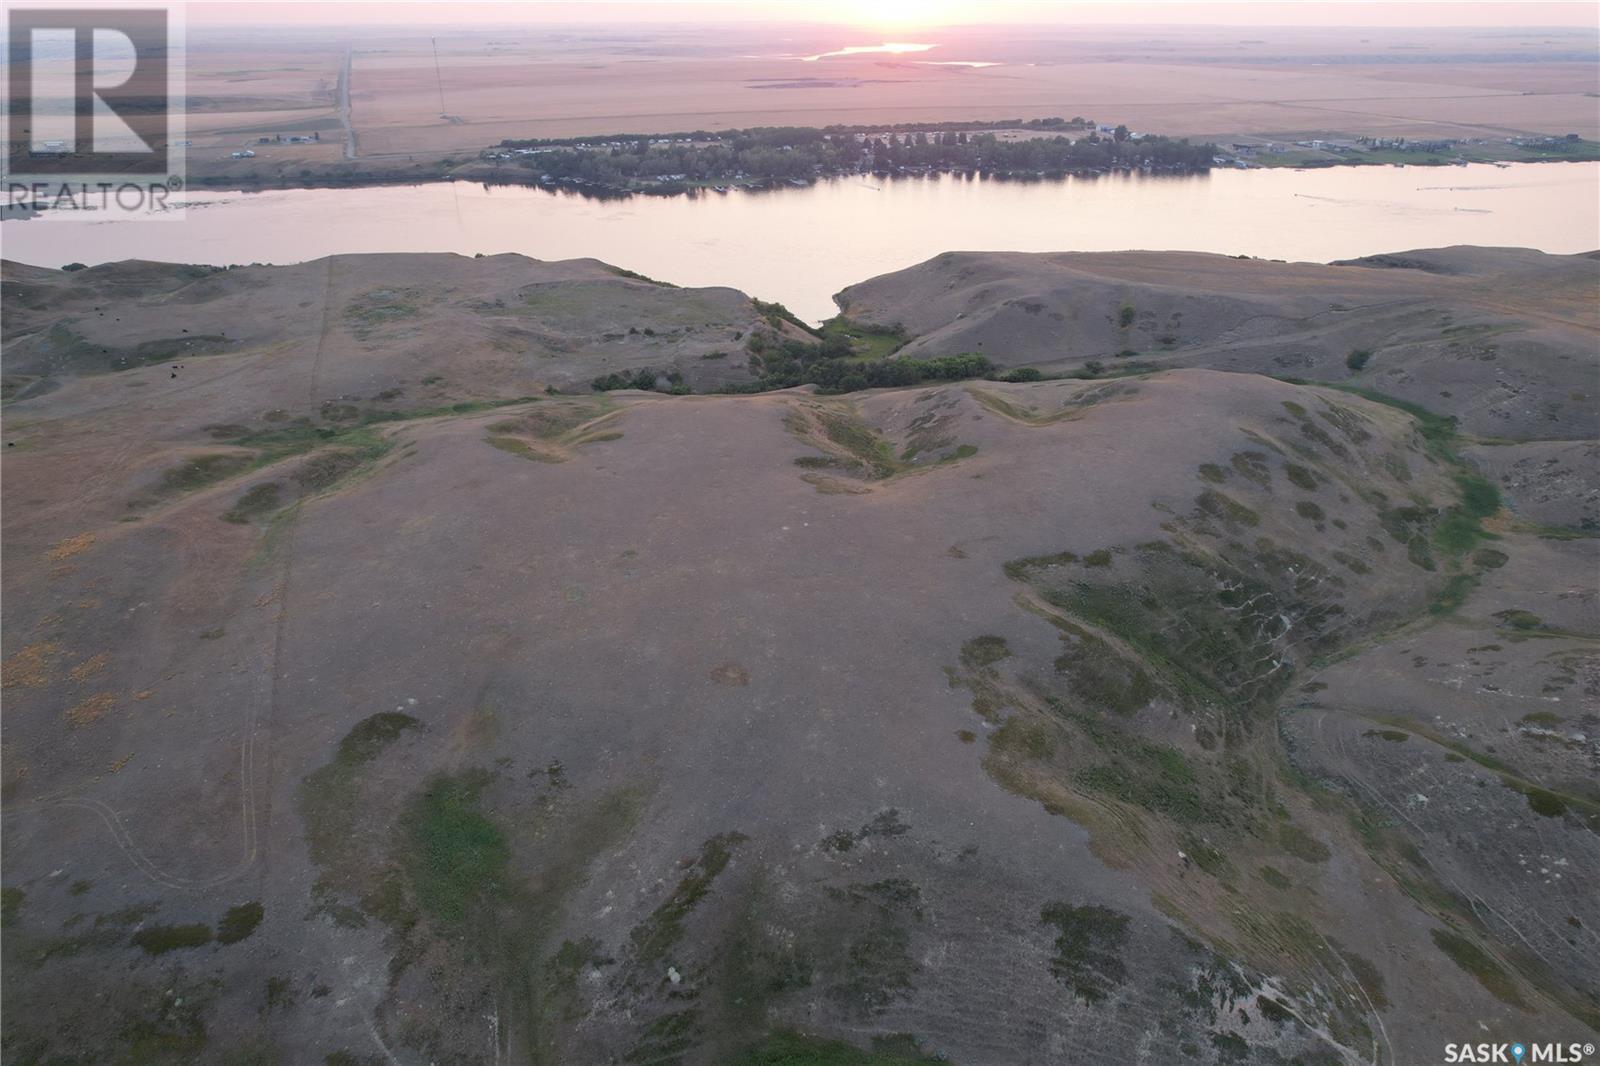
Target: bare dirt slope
(1063, 722)
(1503, 338)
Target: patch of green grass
(160, 939)
(1253, 465)
(257, 501)
(665, 1039)
(1517, 618)
(1213, 473)
(1358, 359)
(761, 962)
(1274, 877)
(239, 922)
(10, 905)
(885, 823)
(1099, 557)
(519, 448)
(1368, 975)
(1211, 860)
(1301, 844)
(322, 470)
(634, 275)
(202, 470)
(280, 994)
(1231, 1047)
(879, 967)
(1394, 736)
(984, 651)
(454, 855)
(361, 437)
(1300, 476)
(776, 314)
(1101, 677)
(786, 1047)
(1021, 374)
(170, 1027)
(1225, 507)
(856, 438)
(1308, 510)
(1541, 801)
(1017, 569)
(1088, 948)
(1462, 526)
(655, 936)
(1483, 968)
(330, 797)
(1454, 594)
(1204, 646)
(368, 737)
(867, 340)
(1156, 777)
(1024, 735)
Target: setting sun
(901, 14)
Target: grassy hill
(369, 701)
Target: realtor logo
(89, 91)
(93, 94)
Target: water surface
(801, 245)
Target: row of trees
(827, 363)
(779, 154)
(778, 135)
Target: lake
(801, 245)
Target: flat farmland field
(396, 102)
(415, 98)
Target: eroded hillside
(1502, 338)
(1186, 716)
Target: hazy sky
(907, 14)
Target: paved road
(344, 106)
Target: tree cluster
(800, 153)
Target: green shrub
(160, 939)
(1023, 373)
(239, 922)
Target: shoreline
(616, 165)
(512, 177)
(821, 235)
